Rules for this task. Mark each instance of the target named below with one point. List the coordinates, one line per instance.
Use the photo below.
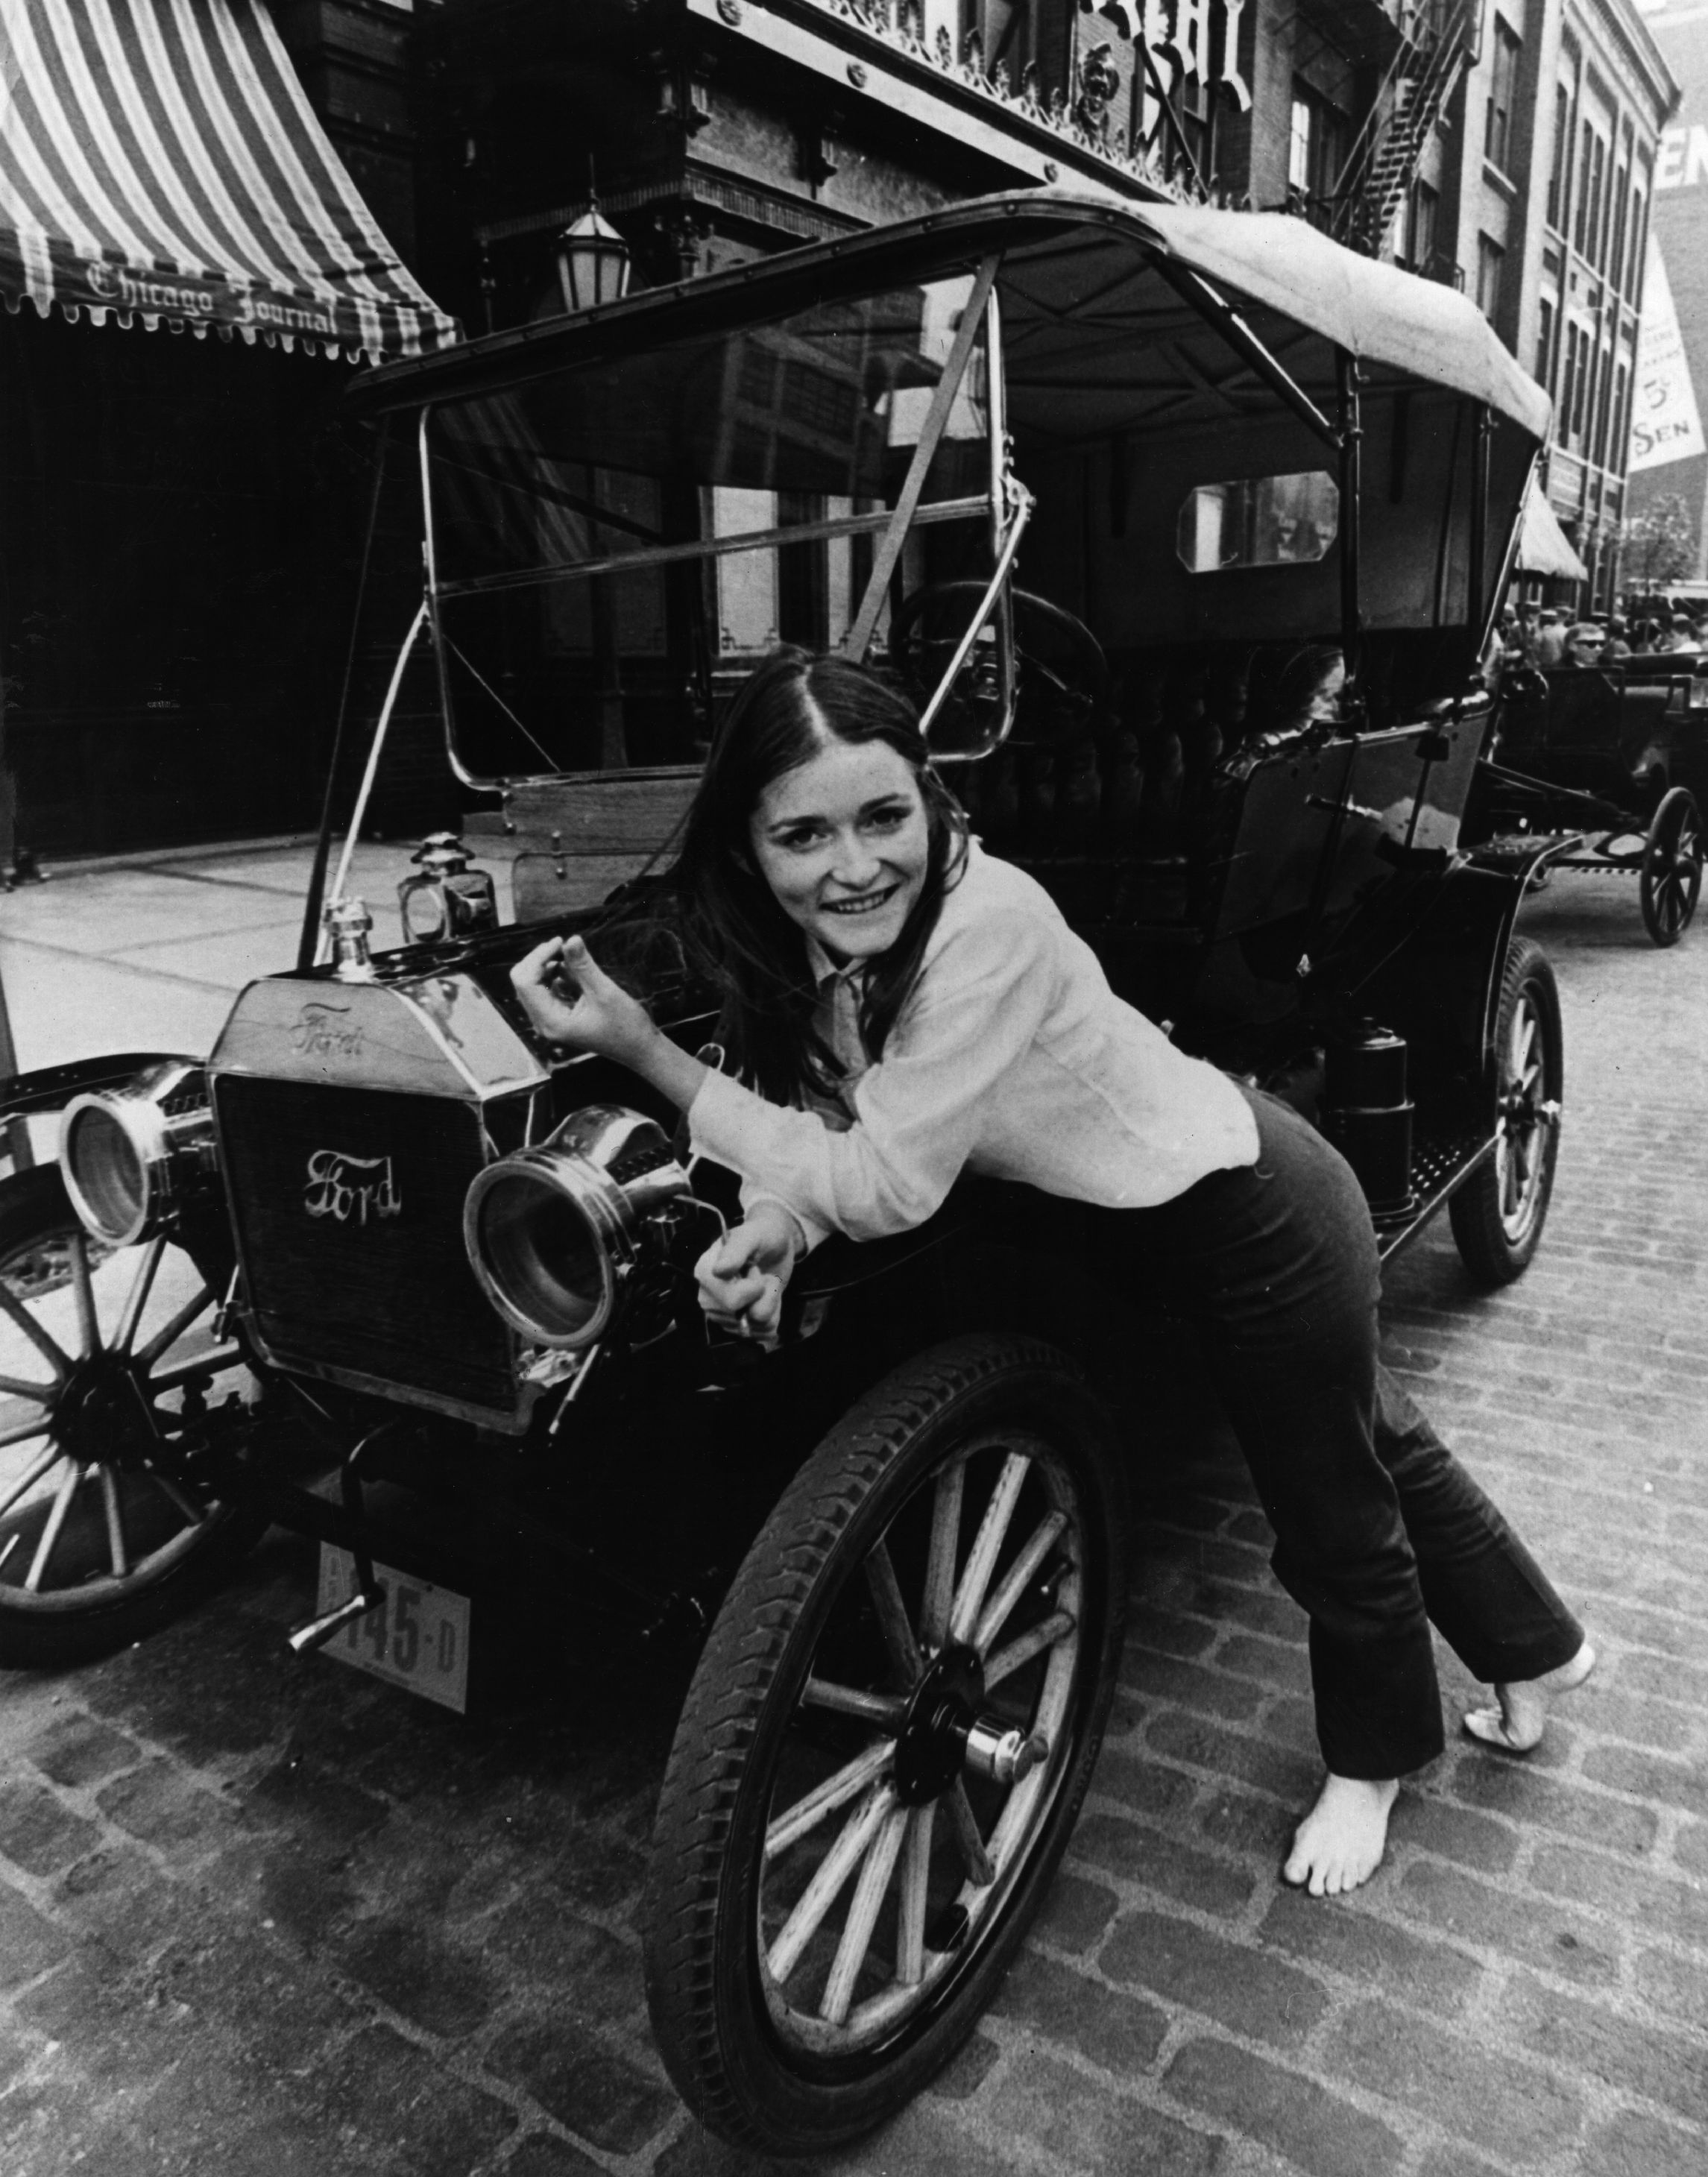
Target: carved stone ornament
(1083, 116)
(1100, 81)
(730, 10)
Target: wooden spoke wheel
(1670, 878)
(885, 1746)
(112, 1379)
(1497, 1214)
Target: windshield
(613, 548)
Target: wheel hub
(1522, 1111)
(946, 1732)
(1518, 1111)
(100, 1415)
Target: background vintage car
(1611, 760)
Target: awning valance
(159, 162)
(1543, 547)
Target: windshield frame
(1004, 503)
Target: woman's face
(1325, 699)
(843, 840)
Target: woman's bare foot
(1516, 1724)
(1340, 1843)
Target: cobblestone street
(264, 1917)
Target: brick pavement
(262, 1917)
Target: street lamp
(593, 261)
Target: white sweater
(1011, 1057)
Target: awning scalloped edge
(153, 321)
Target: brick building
(1602, 94)
(1668, 455)
(1534, 194)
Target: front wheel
(885, 1745)
(1498, 1213)
(1669, 881)
(112, 1380)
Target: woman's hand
(742, 1277)
(570, 999)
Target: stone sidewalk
(260, 1917)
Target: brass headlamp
(131, 1157)
(589, 1226)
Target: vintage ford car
(1610, 761)
(1262, 494)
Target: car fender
(1440, 987)
(51, 1087)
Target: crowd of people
(1548, 635)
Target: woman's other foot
(1340, 1844)
(1516, 1724)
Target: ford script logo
(347, 1187)
(327, 1032)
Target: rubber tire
(1493, 1255)
(33, 1208)
(708, 2015)
(1677, 814)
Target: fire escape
(1437, 44)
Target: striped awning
(160, 164)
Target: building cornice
(1625, 30)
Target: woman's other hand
(571, 999)
(742, 1276)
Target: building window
(1608, 451)
(1498, 130)
(1622, 422)
(1586, 149)
(1580, 405)
(1317, 148)
(1490, 258)
(1634, 263)
(1420, 226)
(1559, 176)
(1594, 182)
(1545, 344)
(1622, 206)
(1563, 414)
(1299, 146)
(1601, 384)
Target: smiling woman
(908, 1008)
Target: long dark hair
(783, 715)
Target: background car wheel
(885, 1745)
(1498, 1213)
(1669, 883)
(111, 1381)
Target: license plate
(418, 1638)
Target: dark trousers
(1379, 1532)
